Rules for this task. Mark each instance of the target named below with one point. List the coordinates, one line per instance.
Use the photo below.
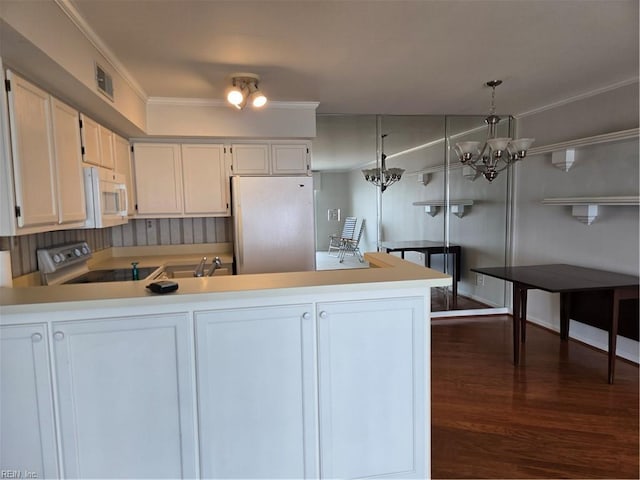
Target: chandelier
(244, 87)
(383, 177)
(496, 154)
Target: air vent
(104, 82)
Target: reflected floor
(439, 299)
(324, 261)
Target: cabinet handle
(58, 335)
(306, 315)
(36, 337)
(324, 314)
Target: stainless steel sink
(186, 271)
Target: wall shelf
(585, 209)
(458, 207)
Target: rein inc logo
(18, 474)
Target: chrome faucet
(217, 263)
(199, 271)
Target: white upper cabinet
(91, 151)
(44, 170)
(206, 180)
(122, 165)
(251, 159)
(97, 143)
(32, 151)
(273, 158)
(106, 148)
(190, 180)
(66, 140)
(158, 177)
(290, 159)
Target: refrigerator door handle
(238, 238)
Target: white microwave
(106, 197)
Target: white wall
(364, 205)
(42, 42)
(201, 118)
(334, 193)
(350, 139)
(549, 234)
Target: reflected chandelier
(496, 154)
(383, 177)
(244, 87)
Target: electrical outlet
(149, 224)
(479, 279)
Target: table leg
(516, 324)
(455, 276)
(565, 307)
(523, 313)
(613, 335)
(618, 295)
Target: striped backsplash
(23, 248)
(139, 232)
(172, 231)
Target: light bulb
(259, 100)
(235, 96)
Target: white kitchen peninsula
(287, 375)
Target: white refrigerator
(274, 226)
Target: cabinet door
(256, 392)
(250, 159)
(158, 177)
(373, 364)
(106, 148)
(206, 180)
(122, 157)
(67, 147)
(27, 432)
(125, 397)
(90, 132)
(289, 159)
(32, 151)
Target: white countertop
(392, 271)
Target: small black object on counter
(163, 286)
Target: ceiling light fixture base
(244, 87)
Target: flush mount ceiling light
(496, 154)
(244, 88)
(383, 177)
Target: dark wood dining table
(429, 248)
(565, 280)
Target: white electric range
(65, 264)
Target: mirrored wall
(439, 214)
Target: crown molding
(575, 98)
(209, 102)
(586, 141)
(78, 20)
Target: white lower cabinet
(373, 388)
(256, 392)
(125, 397)
(313, 389)
(27, 428)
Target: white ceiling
(367, 56)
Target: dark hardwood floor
(554, 416)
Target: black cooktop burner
(115, 275)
